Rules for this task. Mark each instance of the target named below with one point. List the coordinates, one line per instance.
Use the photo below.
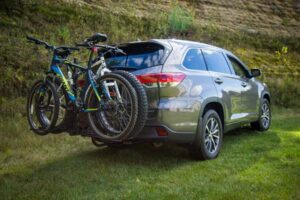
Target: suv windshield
(139, 56)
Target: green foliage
(284, 89)
(180, 19)
(280, 72)
(67, 22)
(281, 56)
(63, 33)
(59, 24)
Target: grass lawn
(251, 165)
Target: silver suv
(196, 92)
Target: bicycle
(102, 91)
(43, 102)
(105, 116)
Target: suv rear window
(139, 56)
(216, 61)
(194, 60)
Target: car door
(250, 88)
(227, 84)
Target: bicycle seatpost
(93, 50)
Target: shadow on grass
(99, 170)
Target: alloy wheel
(212, 135)
(265, 116)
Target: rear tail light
(161, 131)
(163, 79)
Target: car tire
(264, 121)
(209, 137)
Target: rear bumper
(151, 133)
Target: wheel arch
(267, 96)
(214, 105)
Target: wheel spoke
(207, 129)
(212, 124)
(215, 132)
(215, 128)
(209, 145)
(214, 145)
(212, 134)
(120, 124)
(265, 117)
(122, 121)
(206, 140)
(267, 112)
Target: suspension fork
(101, 71)
(115, 85)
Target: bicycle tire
(44, 127)
(142, 102)
(98, 122)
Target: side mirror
(255, 72)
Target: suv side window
(216, 61)
(194, 60)
(237, 67)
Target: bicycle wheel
(42, 107)
(142, 102)
(118, 111)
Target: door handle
(244, 84)
(218, 81)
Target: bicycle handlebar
(39, 42)
(51, 47)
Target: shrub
(284, 90)
(180, 20)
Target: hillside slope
(275, 18)
(264, 34)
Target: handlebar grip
(30, 38)
(33, 39)
(39, 42)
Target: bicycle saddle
(98, 37)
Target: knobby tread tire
(46, 129)
(100, 130)
(142, 102)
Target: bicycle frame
(55, 69)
